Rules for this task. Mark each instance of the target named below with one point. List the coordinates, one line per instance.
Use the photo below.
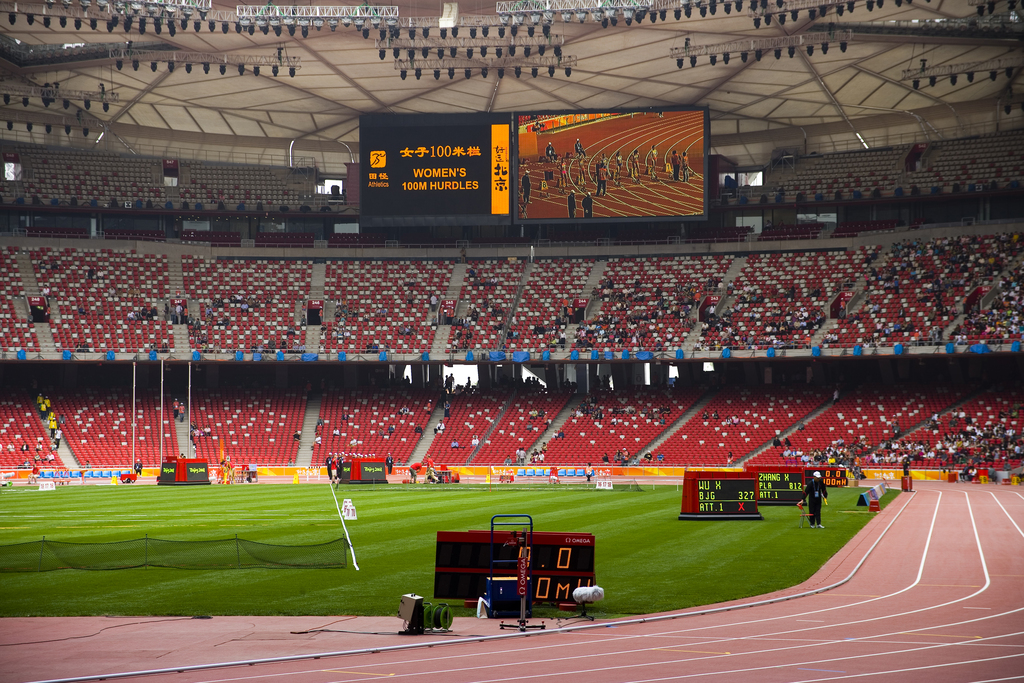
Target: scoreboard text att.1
(720, 496)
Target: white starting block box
(603, 484)
(47, 486)
(348, 509)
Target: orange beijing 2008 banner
(501, 166)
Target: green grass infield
(646, 559)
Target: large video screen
(611, 166)
(435, 169)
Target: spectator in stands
(455, 444)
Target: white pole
(133, 414)
(188, 417)
(161, 410)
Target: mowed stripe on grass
(646, 559)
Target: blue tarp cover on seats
(520, 356)
(644, 355)
(310, 356)
(980, 348)
(496, 355)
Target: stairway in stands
(64, 452)
(563, 416)
(28, 279)
(683, 419)
(181, 430)
(789, 431)
(859, 297)
(317, 280)
(176, 289)
(440, 343)
(304, 456)
(428, 434)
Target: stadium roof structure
(831, 75)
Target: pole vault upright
(161, 410)
(134, 414)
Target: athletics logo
(378, 159)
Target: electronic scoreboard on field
(834, 477)
(560, 562)
(779, 485)
(719, 495)
(427, 169)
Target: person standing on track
(588, 206)
(652, 163)
(527, 187)
(581, 153)
(633, 166)
(815, 494)
(676, 163)
(618, 169)
(571, 203)
(602, 178)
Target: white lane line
(996, 499)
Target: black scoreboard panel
(560, 563)
(435, 169)
(727, 496)
(780, 488)
(834, 477)
(723, 496)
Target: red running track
(936, 594)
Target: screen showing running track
(611, 166)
